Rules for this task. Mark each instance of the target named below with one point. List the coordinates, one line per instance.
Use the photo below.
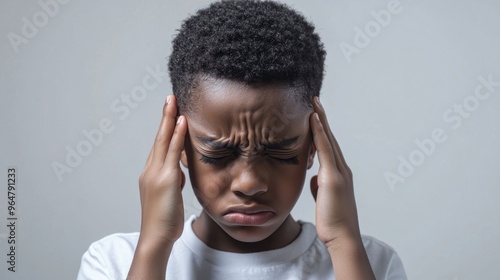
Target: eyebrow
(218, 145)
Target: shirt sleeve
(395, 270)
(92, 265)
(384, 260)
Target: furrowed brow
(278, 145)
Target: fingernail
(316, 116)
(179, 119)
(167, 100)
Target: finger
(343, 167)
(151, 152)
(323, 146)
(150, 157)
(165, 132)
(339, 157)
(177, 143)
(314, 186)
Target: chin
(248, 234)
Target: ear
(310, 157)
(184, 160)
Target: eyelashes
(213, 161)
(209, 160)
(291, 161)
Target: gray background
(72, 73)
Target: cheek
(293, 180)
(208, 184)
(295, 175)
(287, 190)
(205, 182)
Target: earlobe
(310, 157)
(184, 159)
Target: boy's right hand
(162, 180)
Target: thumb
(314, 186)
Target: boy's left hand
(336, 215)
(332, 188)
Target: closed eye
(281, 156)
(291, 161)
(213, 160)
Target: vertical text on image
(11, 222)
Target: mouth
(248, 216)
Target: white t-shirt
(305, 258)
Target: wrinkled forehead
(237, 112)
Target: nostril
(248, 193)
(248, 179)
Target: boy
(246, 121)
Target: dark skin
(263, 148)
(254, 167)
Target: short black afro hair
(248, 41)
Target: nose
(249, 179)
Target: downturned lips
(248, 216)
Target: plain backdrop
(401, 93)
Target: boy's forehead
(226, 109)
(230, 95)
